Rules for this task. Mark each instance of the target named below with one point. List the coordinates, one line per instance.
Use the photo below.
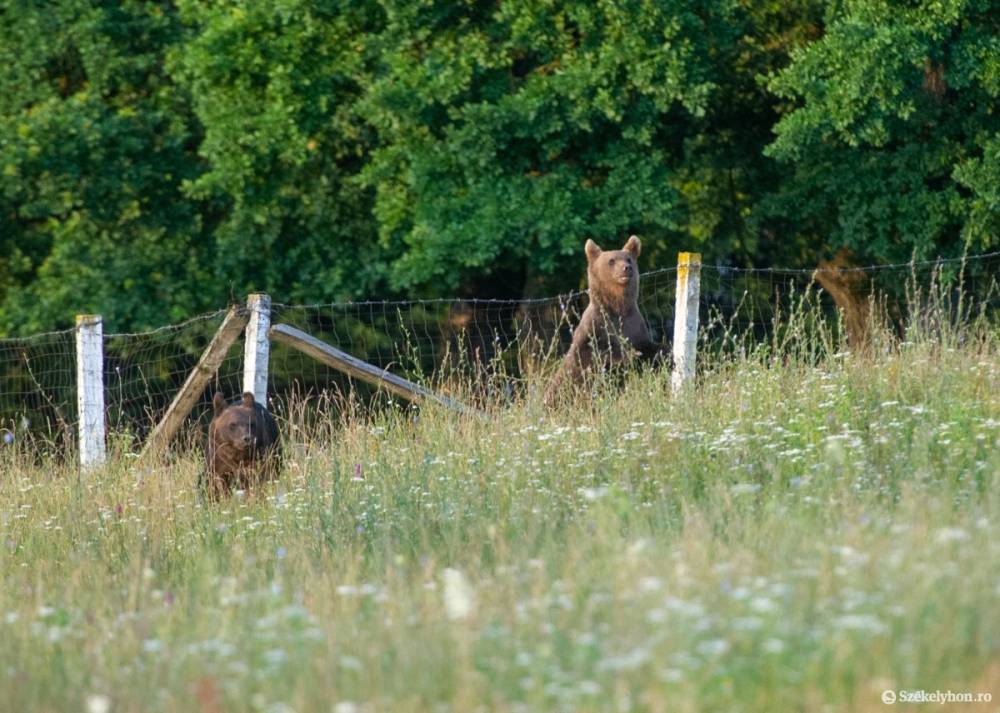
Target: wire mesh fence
(143, 371)
(747, 308)
(471, 348)
(451, 344)
(38, 390)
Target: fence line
(488, 344)
(918, 264)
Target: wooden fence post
(355, 368)
(194, 386)
(256, 348)
(686, 319)
(90, 388)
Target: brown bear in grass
(243, 446)
(612, 329)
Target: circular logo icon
(888, 697)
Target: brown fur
(243, 446)
(612, 329)
(850, 290)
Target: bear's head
(236, 426)
(613, 275)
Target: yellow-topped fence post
(686, 319)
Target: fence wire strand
(470, 347)
(143, 372)
(38, 392)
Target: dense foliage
(158, 158)
(896, 141)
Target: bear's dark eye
(611, 261)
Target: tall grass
(803, 530)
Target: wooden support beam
(358, 369)
(216, 351)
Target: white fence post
(90, 388)
(686, 319)
(256, 348)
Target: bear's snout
(625, 273)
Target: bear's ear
(593, 252)
(633, 246)
(219, 404)
(248, 399)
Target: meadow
(801, 532)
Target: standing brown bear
(612, 330)
(243, 446)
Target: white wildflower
(713, 647)
(656, 616)
(594, 493)
(747, 623)
(626, 662)
(98, 703)
(951, 534)
(774, 646)
(860, 622)
(459, 598)
(638, 546)
(275, 656)
(650, 584)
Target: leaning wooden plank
(230, 330)
(358, 369)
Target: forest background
(160, 159)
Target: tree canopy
(894, 142)
(158, 158)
